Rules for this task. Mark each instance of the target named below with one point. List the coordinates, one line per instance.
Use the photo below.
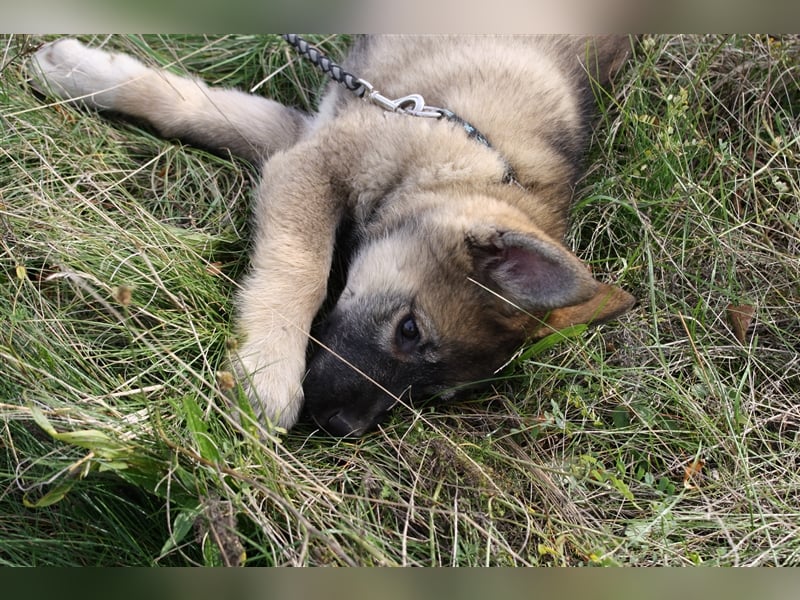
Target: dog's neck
(472, 132)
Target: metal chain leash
(413, 104)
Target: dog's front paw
(72, 71)
(273, 384)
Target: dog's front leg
(297, 214)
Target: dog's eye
(407, 333)
(408, 328)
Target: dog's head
(438, 303)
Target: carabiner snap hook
(413, 104)
(406, 103)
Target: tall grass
(668, 438)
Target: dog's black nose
(339, 425)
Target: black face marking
(377, 352)
(368, 357)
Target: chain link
(413, 104)
(333, 70)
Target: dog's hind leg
(177, 107)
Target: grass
(667, 438)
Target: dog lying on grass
(451, 228)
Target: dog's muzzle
(340, 400)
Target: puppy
(451, 228)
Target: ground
(669, 437)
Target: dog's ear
(608, 302)
(540, 276)
(529, 272)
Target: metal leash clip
(413, 104)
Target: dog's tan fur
(439, 236)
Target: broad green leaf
(181, 525)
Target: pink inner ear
(531, 272)
(540, 276)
